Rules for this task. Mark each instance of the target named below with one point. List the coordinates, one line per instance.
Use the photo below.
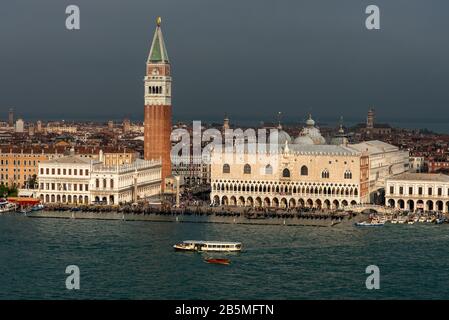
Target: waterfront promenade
(202, 214)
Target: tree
(31, 182)
(8, 192)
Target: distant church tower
(226, 122)
(370, 119)
(158, 110)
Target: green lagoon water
(135, 260)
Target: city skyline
(344, 74)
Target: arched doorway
(309, 203)
(429, 205)
(327, 204)
(335, 204)
(420, 205)
(224, 201)
(439, 206)
(250, 202)
(241, 202)
(391, 203)
(318, 204)
(283, 203)
(292, 203)
(216, 200)
(233, 201)
(301, 203)
(401, 204)
(258, 202)
(275, 202)
(411, 205)
(266, 202)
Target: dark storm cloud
(249, 58)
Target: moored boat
(6, 206)
(372, 223)
(430, 220)
(37, 207)
(440, 220)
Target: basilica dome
(304, 140)
(279, 137)
(310, 134)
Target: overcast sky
(249, 58)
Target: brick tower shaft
(158, 109)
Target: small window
(325, 174)
(247, 169)
(226, 168)
(286, 173)
(304, 171)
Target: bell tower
(158, 110)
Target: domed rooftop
(279, 137)
(304, 140)
(310, 134)
(340, 138)
(310, 122)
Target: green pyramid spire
(158, 52)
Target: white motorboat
(208, 246)
(372, 223)
(7, 207)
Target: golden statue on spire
(158, 21)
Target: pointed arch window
(226, 168)
(304, 171)
(348, 174)
(247, 169)
(325, 174)
(286, 173)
